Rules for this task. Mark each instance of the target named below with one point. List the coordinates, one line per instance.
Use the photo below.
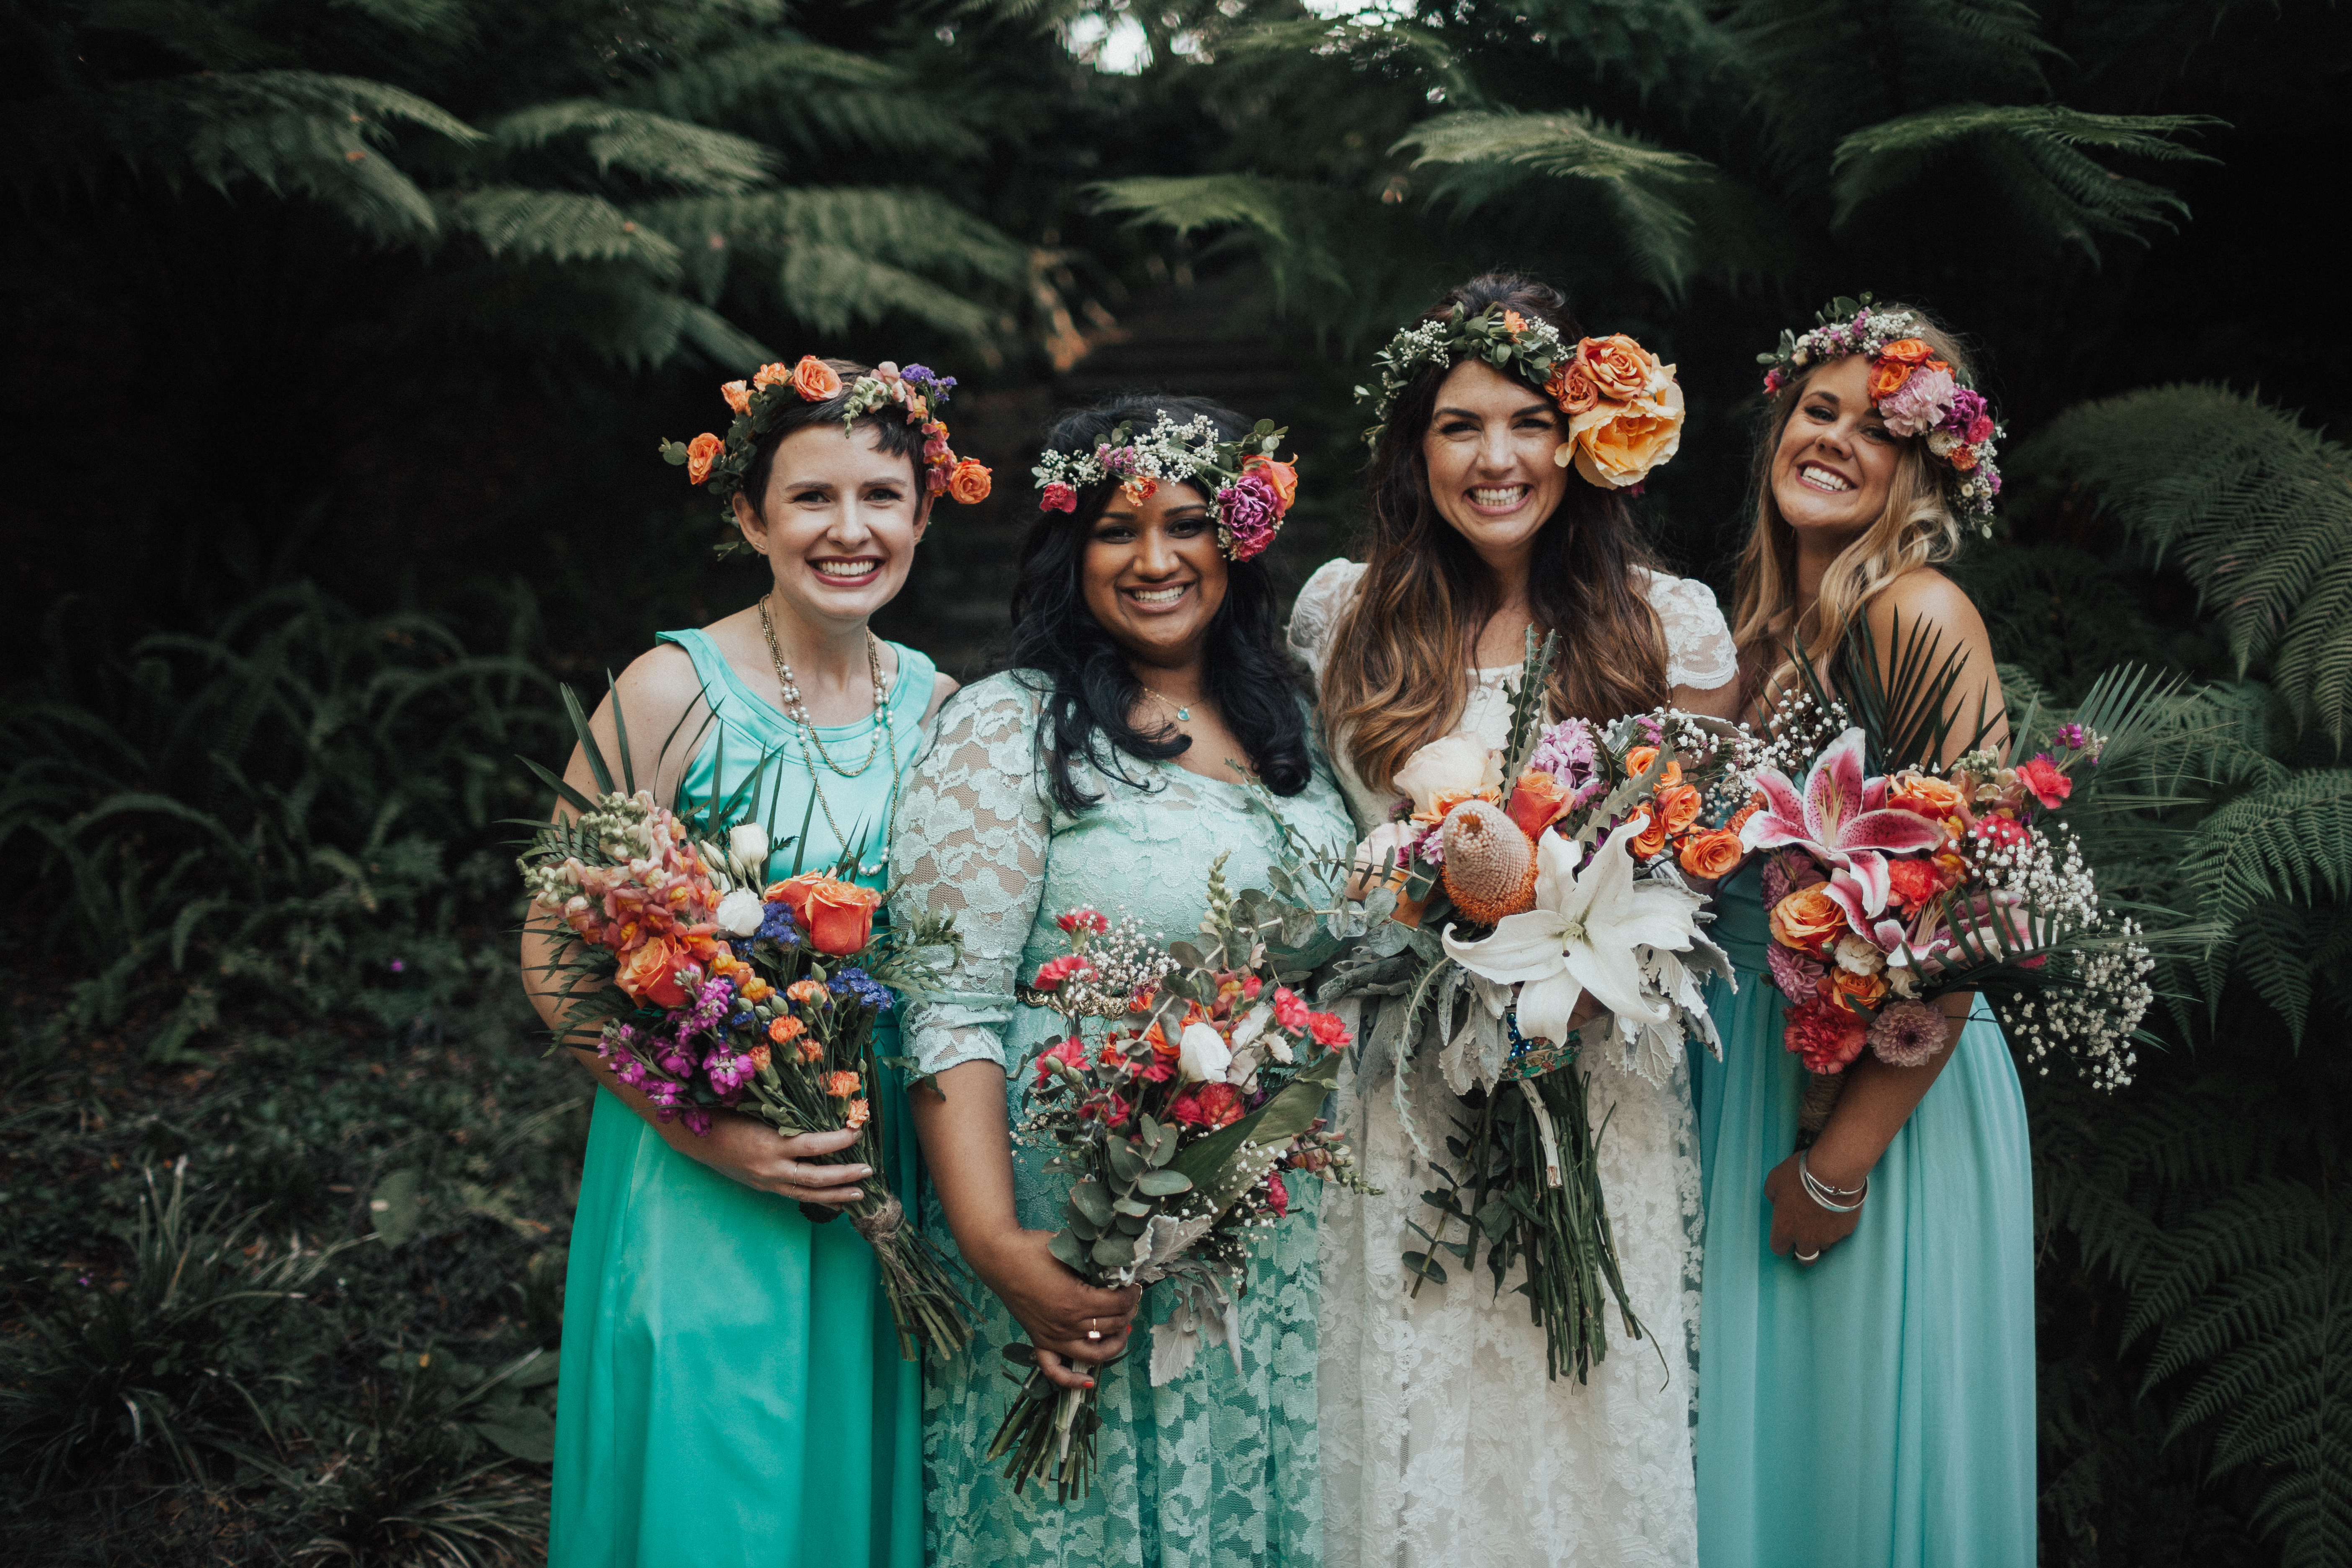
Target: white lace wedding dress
(1443, 1441)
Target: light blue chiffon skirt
(1877, 1410)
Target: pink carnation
(1980, 430)
(1058, 497)
(1920, 403)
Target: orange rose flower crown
(721, 465)
(1249, 490)
(1916, 393)
(1624, 409)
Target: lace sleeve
(1321, 602)
(1699, 650)
(972, 840)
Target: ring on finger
(1093, 1332)
(1809, 1258)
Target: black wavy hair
(1090, 689)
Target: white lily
(1580, 937)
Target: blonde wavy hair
(1917, 528)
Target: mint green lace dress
(731, 1389)
(1216, 1469)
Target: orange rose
(1680, 802)
(738, 394)
(1808, 919)
(1652, 838)
(1618, 366)
(814, 380)
(1924, 794)
(857, 1115)
(1855, 992)
(1886, 378)
(837, 916)
(1281, 475)
(650, 974)
(1908, 351)
(1535, 800)
(1712, 853)
(1638, 761)
(1571, 388)
(700, 452)
(968, 483)
(1616, 445)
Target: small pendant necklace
(1183, 714)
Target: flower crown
(1624, 409)
(722, 464)
(1251, 494)
(1916, 393)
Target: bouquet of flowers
(1566, 859)
(1174, 1127)
(715, 988)
(1888, 889)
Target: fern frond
(558, 225)
(655, 146)
(1290, 222)
(2290, 841)
(813, 95)
(615, 313)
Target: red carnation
(1825, 1036)
(1277, 1196)
(1058, 497)
(2050, 786)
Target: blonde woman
(1868, 1339)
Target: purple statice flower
(1907, 1033)
(1250, 511)
(776, 926)
(933, 386)
(1797, 976)
(855, 982)
(2070, 735)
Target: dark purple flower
(1797, 978)
(1249, 511)
(400, 966)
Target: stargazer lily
(1841, 815)
(1580, 936)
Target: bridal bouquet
(1174, 1127)
(1556, 868)
(714, 990)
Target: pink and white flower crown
(1916, 393)
(1249, 490)
(722, 464)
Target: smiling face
(1488, 451)
(1152, 574)
(1836, 461)
(838, 524)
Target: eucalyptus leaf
(1162, 1183)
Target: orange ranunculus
(1535, 800)
(1651, 838)
(840, 1085)
(1514, 324)
(1680, 802)
(1855, 992)
(857, 1114)
(650, 974)
(837, 916)
(700, 452)
(1638, 761)
(738, 394)
(1714, 854)
(814, 380)
(968, 483)
(1886, 378)
(1619, 366)
(1908, 351)
(1281, 475)
(1571, 388)
(1617, 445)
(1809, 920)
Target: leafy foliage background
(341, 337)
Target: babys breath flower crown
(1916, 393)
(1249, 490)
(722, 464)
(1624, 409)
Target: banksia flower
(1490, 865)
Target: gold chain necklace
(1183, 714)
(797, 711)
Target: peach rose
(1886, 378)
(738, 394)
(1281, 475)
(1855, 992)
(837, 916)
(1908, 351)
(1925, 795)
(1617, 445)
(1638, 761)
(1713, 854)
(1619, 366)
(968, 483)
(650, 974)
(1680, 803)
(700, 452)
(1652, 838)
(1808, 919)
(1535, 800)
(1571, 388)
(814, 380)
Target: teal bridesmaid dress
(732, 1390)
(1875, 1410)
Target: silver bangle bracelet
(1827, 1196)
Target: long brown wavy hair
(1394, 679)
(1917, 528)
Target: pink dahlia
(1907, 1033)
(1797, 976)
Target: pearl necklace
(797, 710)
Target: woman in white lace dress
(1442, 1440)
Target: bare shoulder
(943, 685)
(659, 681)
(1926, 596)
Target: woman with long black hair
(1151, 722)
